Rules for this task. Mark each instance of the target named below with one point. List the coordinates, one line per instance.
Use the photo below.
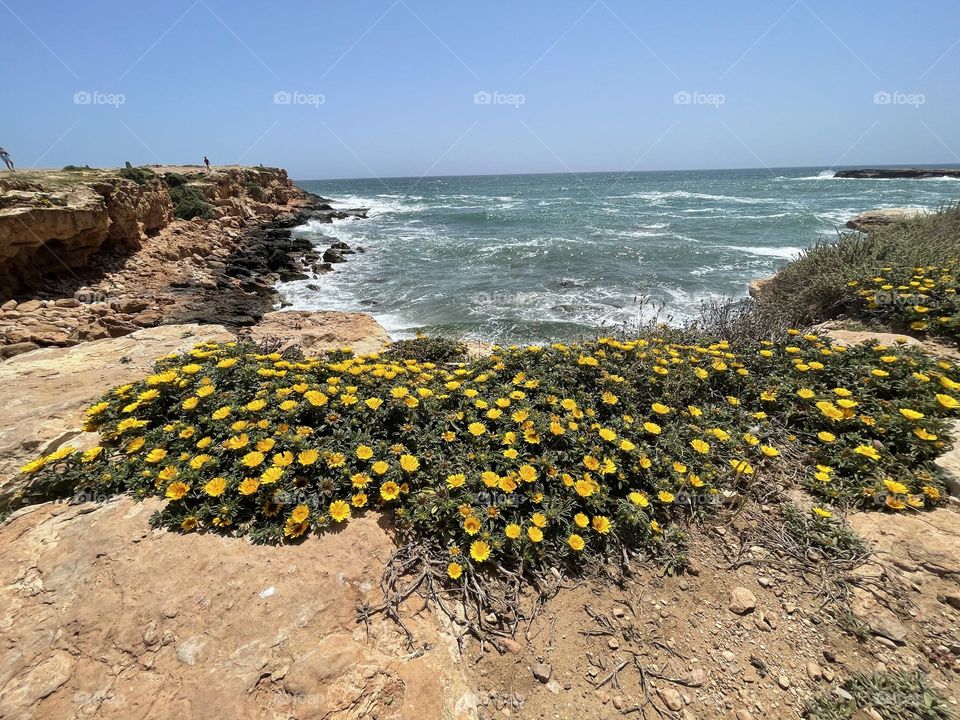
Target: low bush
(814, 287)
(892, 695)
(189, 203)
(141, 176)
(257, 192)
(427, 349)
(919, 300)
(533, 455)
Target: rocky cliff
(89, 254)
(53, 222)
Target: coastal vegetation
(894, 695)
(188, 201)
(532, 456)
(139, 175)
(907, 263)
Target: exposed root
(489, 607)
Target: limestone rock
(671, 698)
(316, 332)
(756, 287)
(949, 462)
(177, 626)
(889, 173)
(542, 672)
(874, 219)
(742, 601)
(930, 540)
(878, 618)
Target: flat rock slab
(46, 392)
(317, 332)
(928, 541)
(105, 617)
(874, 219)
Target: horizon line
(945, 166)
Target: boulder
(333, 256)
(873, 219)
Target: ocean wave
(822, 175)
(378, 205)
(786, 253)
(658, 196)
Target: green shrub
(427, 349)
(814, 287)
(897, 695)
(256, 192)
(174, 180)
(189, 202)
(141, 176)
(536, 455)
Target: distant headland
(897, 173)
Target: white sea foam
(778, 252)
(822, 175)
(657, 197)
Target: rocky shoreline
(86, 275)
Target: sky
(385, 88)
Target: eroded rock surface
(107, 618)
(316, 332)
(875, 219)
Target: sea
(527, 258)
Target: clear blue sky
(776, 83)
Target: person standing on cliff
(206, 162)
(7, 160)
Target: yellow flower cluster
(539, 453)
(922, 300)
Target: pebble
(671, 698)
(742, 601)
(887, 642)
(814, 671)
(783, 681)
(542, 672)
(613, 644)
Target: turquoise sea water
(532, 257)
